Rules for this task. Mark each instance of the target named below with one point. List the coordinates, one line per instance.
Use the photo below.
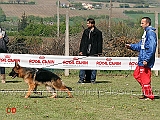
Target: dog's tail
(69, 88)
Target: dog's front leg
(30, 89)
(35, 90)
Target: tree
(2, 16)
(22, 23)
(18, 1)
(24, 1)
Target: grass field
(113, 97)
(137, 17)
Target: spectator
(3, 49)
(90, 45)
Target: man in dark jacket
(3, 49)
(91, 45)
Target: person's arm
(135, 47)
(82, 44)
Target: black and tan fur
(34, 77)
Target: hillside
(43, 8)
(48, 8)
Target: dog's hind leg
(52, 91)
(59, 85)
(67, 89)
(30, 89)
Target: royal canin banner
(71, 62)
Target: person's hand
(144, 63)
(1, 36)
(80, 53)
(128, 46)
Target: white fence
(71, 62)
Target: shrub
(133, 12)
(124, 6)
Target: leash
(35, 74)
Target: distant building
(87, 6)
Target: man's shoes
(93, 81)
(142, 97)
(148, 99)
(80, 82)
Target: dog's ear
(17, 65)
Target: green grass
(137, 17)
(112, 98)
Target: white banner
(71, 62)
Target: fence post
(67, 41)
(110, 17)
(58, 18)
(156, 26)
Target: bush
(31, 3)
(139, 6)
(124, 6)
(146, 6)
(133, 12)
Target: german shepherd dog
(37, 76)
